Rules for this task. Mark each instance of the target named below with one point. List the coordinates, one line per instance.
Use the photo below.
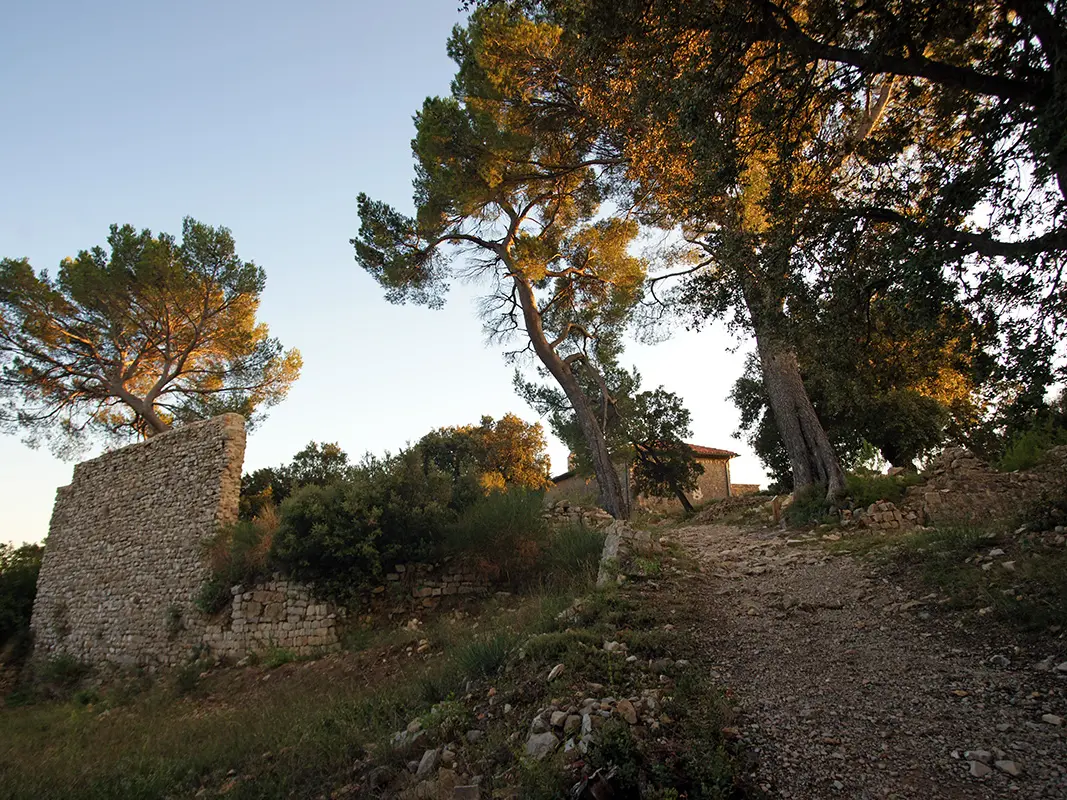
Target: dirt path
(850, 688)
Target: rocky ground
(849, 686)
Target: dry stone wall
(564, 512)
(961, 488)
(428, 584)
(124, 557)
(275, 613)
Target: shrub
(275, 657)
(238, 553)
(19, 568)
(1028, 448)
(62, 673)
(504, 529)
(344, 535)
(483, 658)
(572, 555)
(809, 505)
(866, 489)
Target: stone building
(713, 484)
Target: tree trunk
(683, 499)
(811, 455)
(615, 500)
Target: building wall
(713, 484)
(124, 556)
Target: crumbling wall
(961, 488)
(124, 557)
(275, 613)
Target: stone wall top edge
(224, 422)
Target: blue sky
(269, 118)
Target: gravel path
(850, 688)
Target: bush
(344, 535)
(504, 529)
(572, 555)
(19, 568)
(866, 489)
(238, 553)
(483, 658)
(1028, 448)
(809, 506)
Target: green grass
(1032, 597)
(300, 731)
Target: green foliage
(238, 553)
(571, 556)
(342, 536)
(61, 673)
(509, 534)
(862, 490)
(19, 568)
(809, 506)
(483, 658)
(180, 320)
(317, 464)
(495, 454)
(274, 657)
(506, 529)
(1028, 448)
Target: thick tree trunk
(811, 455)
(615, 500)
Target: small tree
(137, 337)
(502, 454)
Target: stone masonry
(124, 555)
(275, 613)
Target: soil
(848, 686)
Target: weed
(1028, 448)
(483, 658)
(809, 506)
(62, 672)
(186, 678)
(542, 780)
(274, 657)
(357, 639)
(863, 490)
(173, 623)
(449, 719)
(649, 567)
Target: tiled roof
(710, 452)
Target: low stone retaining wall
(882, 515)
(284, 614)
(276, 613)
(429, 583)
(962, 488)
(564, 512)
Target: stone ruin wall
(284, 614)
(274, 613)
(961, 488)
(124, 556)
